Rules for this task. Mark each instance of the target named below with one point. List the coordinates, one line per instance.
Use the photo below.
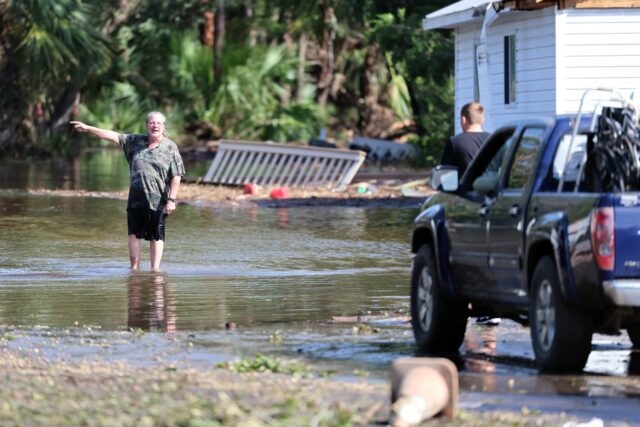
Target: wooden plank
(303, 168)
(265, 168)
(240, 168)
(570, 4)
(255, 167)
(310, 170)
(336, 168)
(270, 169)
(532, 4)
(348, 176)
(294, 170)
(598, 4)
(245, 170)
(231, 164)
(324, 180)
(214, 167)
(323, 164)
(278, 169)
(224, 155)
(283, 172)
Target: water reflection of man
(156, 169)
(150, 303)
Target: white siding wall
(535, 65)
(597, 48)
(464, 65)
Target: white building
(524, 58)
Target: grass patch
(5, 336)
(274, 365)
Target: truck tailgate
(627, 235)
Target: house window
(510, 69)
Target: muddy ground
(56, 388)
(367, 193)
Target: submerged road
(498, 373)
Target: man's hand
(170, 207)
(107, 134)
(79, 126)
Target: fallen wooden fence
(276, 165)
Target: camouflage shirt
(151, 170)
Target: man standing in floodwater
(156, 168)
(463, 147)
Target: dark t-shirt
(151, 170)
(462, 148)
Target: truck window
(567, 159)
(489, 159)
(524, 160)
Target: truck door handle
(514, 211)
(483, 211)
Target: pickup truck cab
(523, 235)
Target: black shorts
(146, 224)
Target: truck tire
(561, 334)
(634, 335)
(438, 323)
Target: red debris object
(280, 193)
(250, 189)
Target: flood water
(244, 281)
(64, 263)
(64, 260)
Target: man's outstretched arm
(106, 134)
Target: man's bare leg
(134, 251)
(156, 247)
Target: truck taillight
(603, 237)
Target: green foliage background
(281, 70)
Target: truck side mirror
(444, 178)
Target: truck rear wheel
(560, 333)
(438, 323)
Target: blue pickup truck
(531, 232)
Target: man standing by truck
(462, 148)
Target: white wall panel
(600, 48)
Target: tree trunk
(302, 53)
(326, 55)
(369, 92)
(17, 134)
(63, 109)
(219, 42)
(122, 12)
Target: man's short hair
(473, 112)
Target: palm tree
(48, 51)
